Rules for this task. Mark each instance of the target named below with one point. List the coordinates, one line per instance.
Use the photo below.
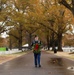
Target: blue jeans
(37, 58)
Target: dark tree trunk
(30, 40)
(53, 42)
(20, 44)
(60, 42)
(10, 43)
(20, 38)
(48, 44)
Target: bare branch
(64, 2)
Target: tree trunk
(30, 40)
(60, 42)
(20, 44)
(20, 38)
(48, 44)
(10, 43)
(53, 42)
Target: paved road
(51, 65)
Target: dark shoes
(38, 66)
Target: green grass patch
(2, 48)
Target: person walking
(36, 45)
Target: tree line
(22, 19)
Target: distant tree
(16, 19)
(54, 21)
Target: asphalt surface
(24, 65)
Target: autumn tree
(21, 21)
(3, 16)
(45, 15)
(30, 32)
(16, 18)
(69, 4)
(28, 16)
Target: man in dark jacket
(36, 44)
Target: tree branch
(16, 5)
(73, 3)
(48, 28)
(13, 35)
(26, 30)
(64, 2)
(35, 30)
